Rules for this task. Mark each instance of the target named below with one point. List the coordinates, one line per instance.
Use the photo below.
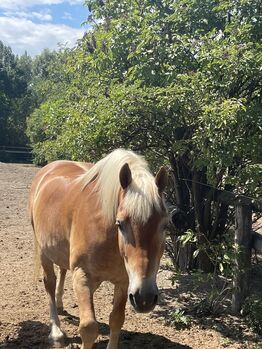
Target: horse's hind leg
(117, 316)
(56, 336)
(60, 290)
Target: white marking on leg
(56, 335)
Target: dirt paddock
(24, 307)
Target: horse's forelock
(141, 195)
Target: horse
(104, 222)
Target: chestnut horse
(103, 222)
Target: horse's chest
(107, 265)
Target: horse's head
(140, 219)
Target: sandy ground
(24, 307)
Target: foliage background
(178, 81)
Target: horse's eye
(119, 224)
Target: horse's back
(62, 171)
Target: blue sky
(32, 25)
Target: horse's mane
(141, 195)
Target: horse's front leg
(117, 316)
(84, 289)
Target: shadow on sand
(34, 334)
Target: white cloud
(75, 2)
(33, 37)
(67, 15)
(42, 15)
(20, 4)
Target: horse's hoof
(57, 341)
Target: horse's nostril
(131, 299)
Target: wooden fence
(245, 241)
(15, 154)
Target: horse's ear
(161, 179)
(125, 176)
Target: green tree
(15, 96)
(178, 81)
(24, 84)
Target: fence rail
(15, 154)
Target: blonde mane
(141, 195)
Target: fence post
(243, 236)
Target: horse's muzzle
(142, 301)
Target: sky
(32, 25)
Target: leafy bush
(217, 285)
(177, 81)
(178, 319)
(252, 312)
